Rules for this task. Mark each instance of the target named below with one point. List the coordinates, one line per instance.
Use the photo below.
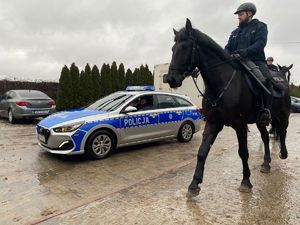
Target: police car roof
(156, 92)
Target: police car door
(170, 115)
(141, 125)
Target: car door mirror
(129, 109)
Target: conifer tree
(95, 75)
(135, 76)
(128, 78)
(74, 75)
(64, 90)
(85, 89)
(114, 76)
(106, 82)
(121, 76)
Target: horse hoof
(245, 188)
(265, 169)
(283, 156)
(193, 192)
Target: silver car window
(9, 95)
(12, 95)
(31, 94)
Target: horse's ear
(280, 67)
(188, 26)
(290, 67)
(175, 31)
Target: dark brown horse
(286, 71)
(227, 100)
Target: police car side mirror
(129, 109)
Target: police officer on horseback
(249, 41)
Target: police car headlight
(68, 128)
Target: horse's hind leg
(209, 135)
(283, 124)
(265, 167)
(241, 132)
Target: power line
(275, 43)
(284, 42)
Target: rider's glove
(243, 53)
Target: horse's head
(184, 57)
(285, 70)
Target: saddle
(256, 78)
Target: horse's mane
(205, 41)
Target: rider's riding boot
(264, 116)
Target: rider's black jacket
(252, 38)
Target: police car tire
(89, 150)
(180, 136)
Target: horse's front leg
(210, 133)
(265, 167)
(241, 132)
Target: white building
(188, 87)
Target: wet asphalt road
(146, 184)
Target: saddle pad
(279, 81)
(277, 92)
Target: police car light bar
(141, 88)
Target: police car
(138, 115)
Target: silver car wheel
(102, 145)
(187, 131)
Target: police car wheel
(100, 145)
(11, 117)
(186, 132)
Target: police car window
(110, 102)
(143, 103)
(182, 102)
(166, 101)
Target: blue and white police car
(138, 115)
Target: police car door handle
(153, 114)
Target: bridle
(193, 71)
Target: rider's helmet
(247, 6)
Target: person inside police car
(145, 103)
(249, 41)
(142, 103)
(270, 64)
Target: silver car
(295, 104)
(121, 119)
(18, 104)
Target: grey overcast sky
(38, 37)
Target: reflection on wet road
(147, 184)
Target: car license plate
(42, 138)
(41, 111)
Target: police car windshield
(110, 102)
